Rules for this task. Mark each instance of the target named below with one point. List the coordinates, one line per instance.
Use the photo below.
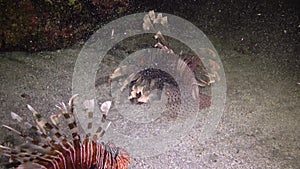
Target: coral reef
(52, 24)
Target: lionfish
(63, 148)
(144, 82)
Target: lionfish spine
(56, 148)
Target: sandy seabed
(260, 126)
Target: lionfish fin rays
(54, 149)
(44, 138)
(150, 20)
(50, 130)
(104, 109)
(100, 130)
(18, 132)
(71, 101)
(40, 122)
(101, 133)
(182, 68)
(49, 133)
(31, 165)
(67, 115)
(50, 139)
(27, 153)
(188, 64)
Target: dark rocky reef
(29, 25)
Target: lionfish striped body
(59, 149)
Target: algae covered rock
(52, 24)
